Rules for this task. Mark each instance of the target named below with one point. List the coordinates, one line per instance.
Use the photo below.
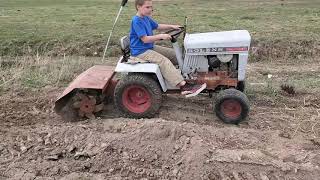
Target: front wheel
(138, 96)
(232, 106)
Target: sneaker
(192, 90)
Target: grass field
(71, 26)
(282, 31)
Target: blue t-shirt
(141, 27)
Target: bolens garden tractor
(218, 59)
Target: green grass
(69, 26)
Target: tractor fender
(97, 77)
(142, 68)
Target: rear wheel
(232, 106)
(138, 96)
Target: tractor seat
(125, 48)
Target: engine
(217, 51)
(222, 62)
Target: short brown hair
(140, 3)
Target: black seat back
(125, 47)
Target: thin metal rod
(114, 24)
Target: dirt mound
(153, 149)
(287, 50)
(186, 141)
(21, 108)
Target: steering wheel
(174, 33)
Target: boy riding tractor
(210, 62)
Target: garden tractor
(218, 59)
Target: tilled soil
(279, 140)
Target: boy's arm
(158, 37)
(142, 34)
(162, 27)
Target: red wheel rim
(231, 108)
(136, 99)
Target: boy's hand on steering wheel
(165, 36)
(177, 27)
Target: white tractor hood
(237, 38)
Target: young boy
(142, 46)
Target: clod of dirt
(52, 158)
(316, 142)
(81, 155)
(285, 135)
(289, 89)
